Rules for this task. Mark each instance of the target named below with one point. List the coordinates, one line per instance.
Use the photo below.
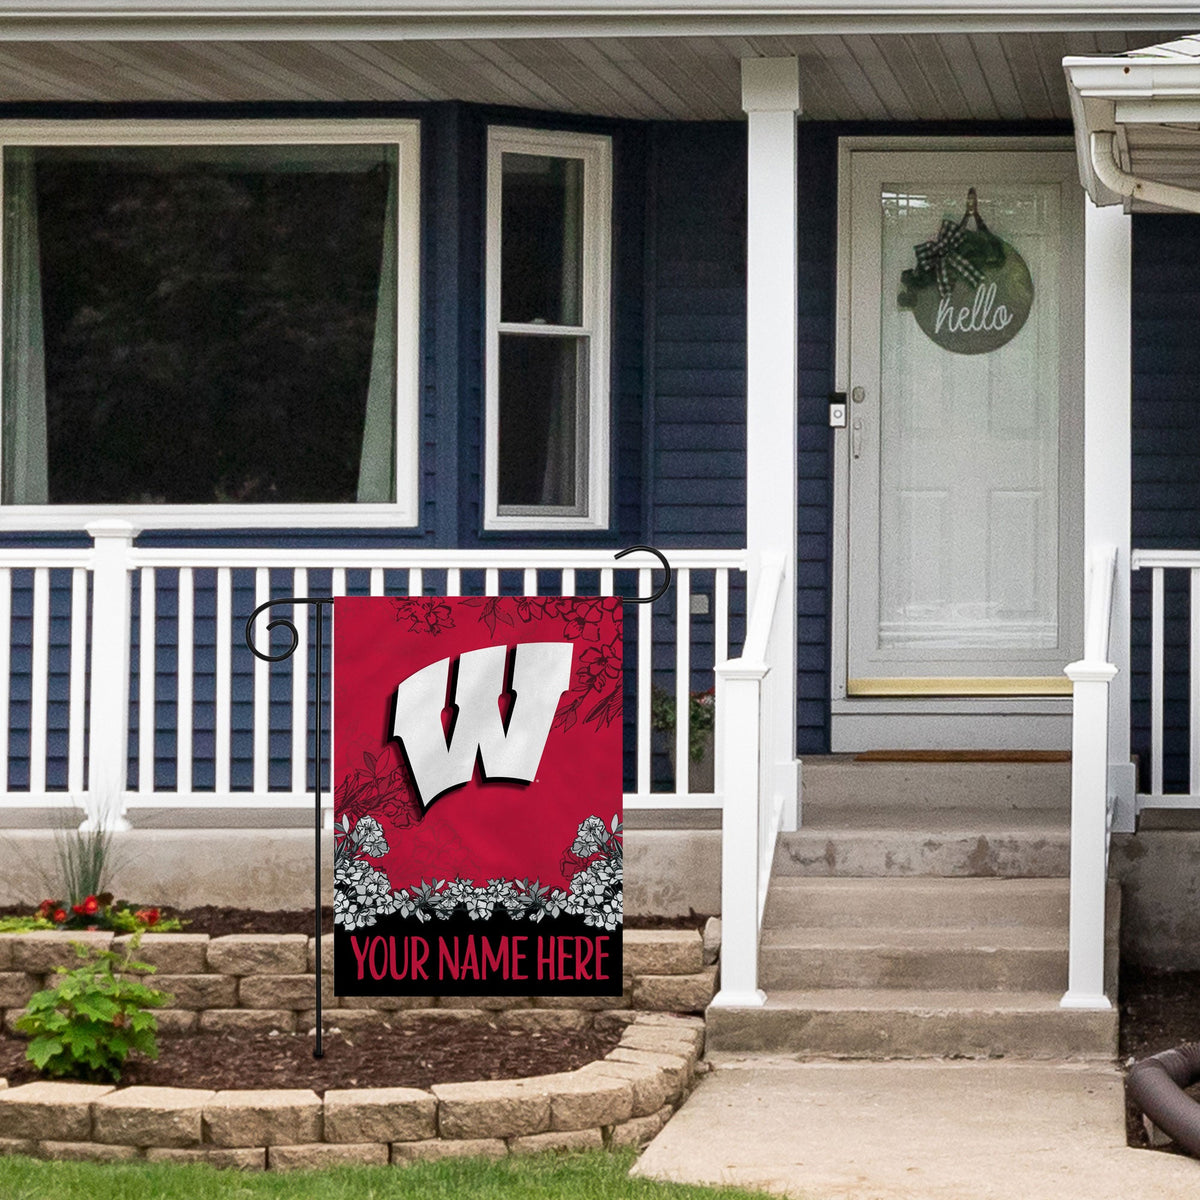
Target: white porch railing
(1185, 563)
(165, 625)
(748, 774)
(1091, 804)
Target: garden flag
(477, 811)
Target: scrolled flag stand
(319, 602)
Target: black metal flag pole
(289, 625)
(286, 623)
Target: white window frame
(595, 151)
(405, 135)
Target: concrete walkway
(931, 1130)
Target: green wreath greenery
(954, 251)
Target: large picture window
(195, 324)
(549, 203)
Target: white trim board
(594, 452)
(358, 20)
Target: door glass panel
(969, 508)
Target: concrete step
(923, 902)
(948, 843)
(841, 780)
(1020, 960)
(857, 1023)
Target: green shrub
(702, 709)
(94, 1017)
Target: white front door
(964, 447)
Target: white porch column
(771, 100)
(108, 738)
(1106, 459)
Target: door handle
(856, 438)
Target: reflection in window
(200, 324)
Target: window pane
(205, 324)
(541, 242)
(541, 420)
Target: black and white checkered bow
(940, 255)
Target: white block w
(439, 761)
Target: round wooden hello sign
(978, 319)
(971, 291)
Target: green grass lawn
(597, 1175)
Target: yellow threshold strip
(949, 685)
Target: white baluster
(262, 696)
(683, 681)
(147, 668)
(186, 645)
(1156, 682)
(299, 661)
(223, 682)
(39, 681)
(78, 684)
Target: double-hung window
(547, 363)
(210, 323)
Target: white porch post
(109, 732)
(771, 100)
(1106, 460)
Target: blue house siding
(1166, 453)
(817, 269)
(697, 359)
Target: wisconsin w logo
(472, 685)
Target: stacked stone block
(245, 982)
(623, 1099)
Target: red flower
(77, 909)
(60, 915)
(147, 916)
(90, 905)
(45, 907)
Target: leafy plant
(24, 924)
(702, 711)
(94, 1017)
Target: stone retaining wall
(623, 1099)
(260, 981)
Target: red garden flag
(477, 813)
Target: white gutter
(1109, 173)
(147, 20)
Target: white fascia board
(156, 20)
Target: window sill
(533, 523)
(54, 517)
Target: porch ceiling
(977, 72)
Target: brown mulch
(437, 1052)
(372, 1057)
(1159, 1011)
(217, 921)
